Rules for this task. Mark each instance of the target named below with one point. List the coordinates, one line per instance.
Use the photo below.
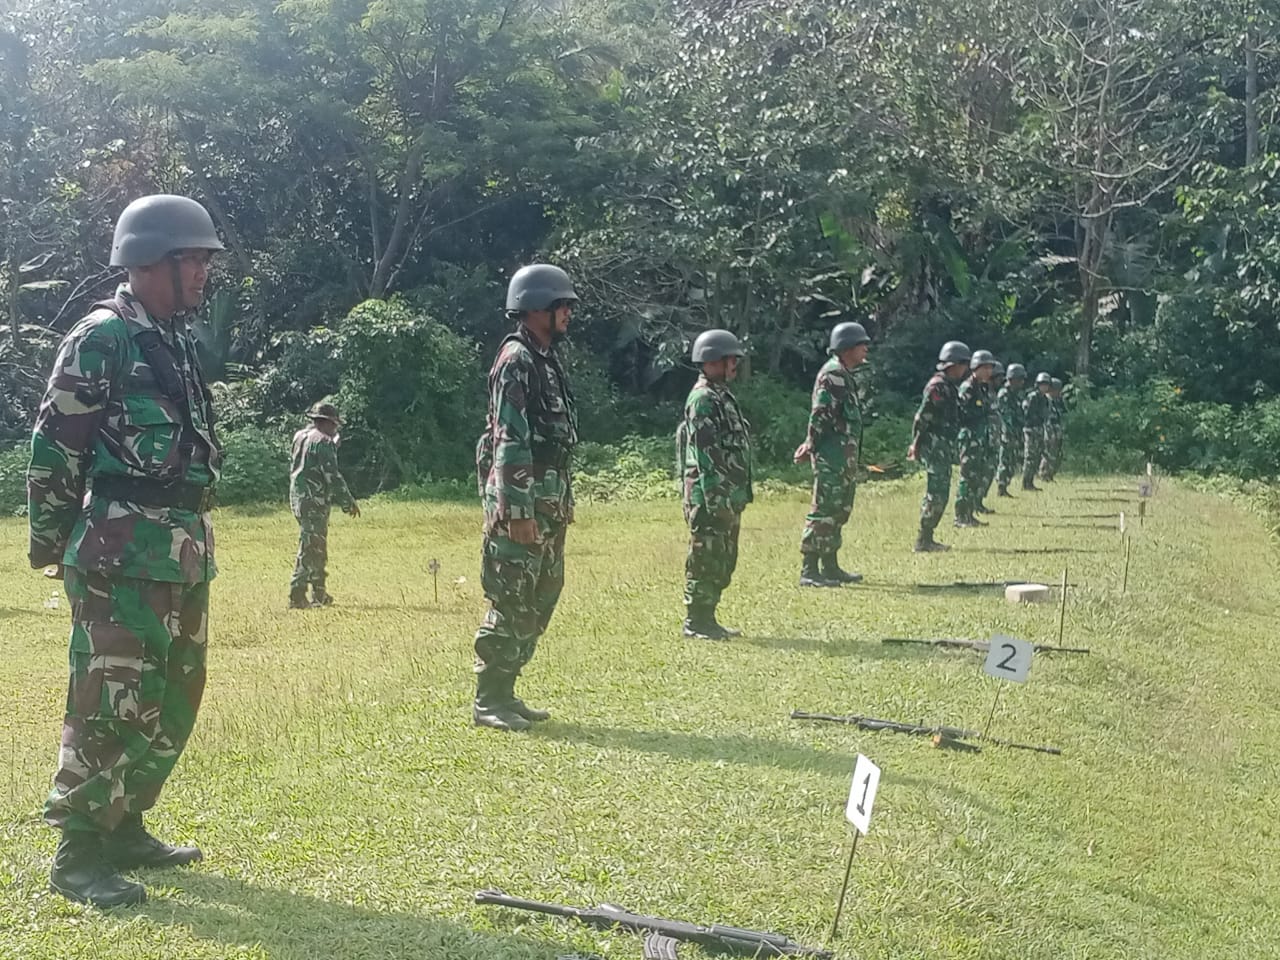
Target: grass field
(348, 809)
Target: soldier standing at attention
(315, 484)
(714, 446)
(1011, 419)
(975, 420)
(831, 445)
(523, 467)
(123, 463)
(1053, 431)
(933, 439)
(1035, 411)
(991, 456)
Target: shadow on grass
(293, 926)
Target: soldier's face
(560, 315)
(730, 369)
(854, 356)
(983, 373)
(193, 274)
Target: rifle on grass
(980, 645)
(942, 736)
(662, 935)
(983, 584)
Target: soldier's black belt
(149, 492)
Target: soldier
(523, 468)
(1035, 410)
(994, 423)
(831, 445)
(975, 420)
(1011, 420)
(315, 484)
(1053, 431)
(123, 462)
(933, 439)
(714, 449)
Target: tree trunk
(1250, 97)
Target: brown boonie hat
(324, 411)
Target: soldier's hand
(355, 509)
(54, 572)
(802, 453)
(911, 452)
(523, 531)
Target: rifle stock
(920, 730)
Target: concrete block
(1027, 593)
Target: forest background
(1088, 187)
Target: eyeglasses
(195, 258)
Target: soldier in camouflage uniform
(975, 420)
(1053, 431)
(315, 484)
(714, 447)
(123, 461)
(831, 445)
(523, 464)
(992, 454)
(1011, 440)
(933, 439)
(1035, 411)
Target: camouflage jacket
(523, 458)
(1035, 410)
(104, 414)
(1054, 412)
(975, 414)
(714, 446)
(937, 421)
(314, 477)
(995, 420)
(1011, 415)
(835, 419)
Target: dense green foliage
(1088, 188)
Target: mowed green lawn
(348, 809)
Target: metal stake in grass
(1124, 583)
(1062, 611)
(434, 567)
(844, 887)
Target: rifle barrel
(500, 899)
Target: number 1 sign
(862, 794)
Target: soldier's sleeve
(335, 483)
(925, 423)
(824, 412)
(512, 436)
(709, 454)
(70, 416)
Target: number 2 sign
(1008, 659)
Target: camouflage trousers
(1011, 456)
(974, 466)
(1052, 455)
(137, 678)
(833, 492)
(992, 461)
(710, 562)
(313, 548)
(522, 583)
(1033, 447)
(937, 490)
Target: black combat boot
(983, 508)
(810, 575)
(492, 707)
(700, 622)
(298, 599)
(831, 570)
(130, 846)
(728, 632)
(925, 542)
(320, 597)
(964, 516)
(1003, 491)
(81, 873)
(1030, 485)
(532, 714)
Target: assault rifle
(983, 584)
(663, 935)
(953, 737)
(980, 645)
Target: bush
(13, 480)
(255, 466)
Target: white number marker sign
(1008, 659)
(862, 795)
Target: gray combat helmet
(713, 345)
(1016, 371)
(1043, 377)
(537, 287)
(847, 335)
(953, 351)
(982, 358)
(153, 227)
(1056, 383)
(997, 369)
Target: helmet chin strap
(175, 275)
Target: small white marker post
(1062, 611)
(862, 796)
(1007, 659)
(1124, 584)
(434, 567)
(1122, 524)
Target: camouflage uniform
(934, 436)
(523, 467)
(992, 455)
(834, 434)
(1053, 433)
(315, 484)
(1012, 419)
(714, 444)
(137, 435)
(975, 420)
(1035, 411)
